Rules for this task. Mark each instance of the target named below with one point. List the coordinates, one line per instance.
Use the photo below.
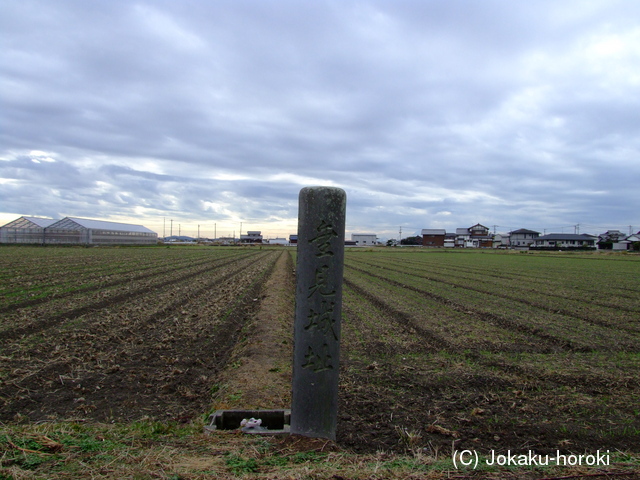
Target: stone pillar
(316, 357)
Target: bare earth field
(491, 351)
(118, 334)
(441, 352)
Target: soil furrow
(13, 333)
(162, 367)
(520, 297)
(487, 317)
(119, 281)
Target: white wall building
(278, 241)
(364, 239)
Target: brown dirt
(259, 373)
(403, 388)
(157, 346)
(152, 349)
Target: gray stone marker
(316, 356)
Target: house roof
(70, 223)
(524, 230)
(30, 222)
(434, 231)
(567, 236)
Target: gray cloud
(428, 114)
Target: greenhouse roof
(73, 222)
(30, 222)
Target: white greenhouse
(25, 230)
(76, 231)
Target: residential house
(501, 240)
(566, 241)
(251, 237)
(449, 240)
(476, 236)
(522, 238)
(609, 238)
(626, 243)
(463, 238)
(433, 237)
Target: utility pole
(164, 221)
(171, 232)
(198, 232)
(179, 227)
(400, 239)
(215, 231)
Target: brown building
(433, 237)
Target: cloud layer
(429, 114)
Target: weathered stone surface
(320, 264)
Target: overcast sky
(429, 114)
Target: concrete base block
(274, 422)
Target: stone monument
(319, 267)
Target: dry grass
(148, 450)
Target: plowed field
(121, 334)
(440, 350)
(490, 351)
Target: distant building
(501, 240)
(293, 239)
(251, 237)
(627, 243)
(433, 237)
(179, 239)
(277, 241)
(557, 241)
(609, 238)
(25, 230)
(476, 236)
(463, 238)
(522, 238)
(449, 240)
(362, 239)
